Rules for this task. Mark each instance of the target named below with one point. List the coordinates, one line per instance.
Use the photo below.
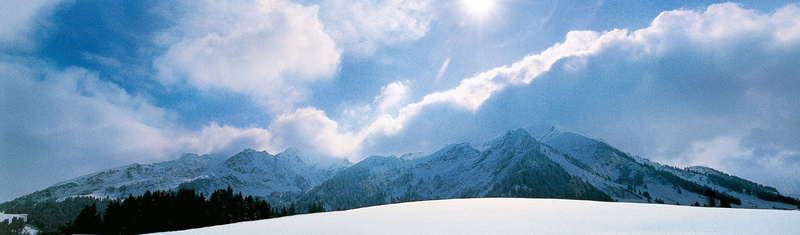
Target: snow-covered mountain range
(251, 172)
(532, 162)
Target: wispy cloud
(364, 26)
(19, 21)
(68, 121)
(441, 72)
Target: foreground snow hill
(523, 216)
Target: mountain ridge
(559, 164)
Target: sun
(479, 8)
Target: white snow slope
(523, 216)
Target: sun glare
(478, 8)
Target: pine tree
(724, 203)
(712, 202)
(113, 220)
(88, 222)
(316, 207)
(15, 225)
(165, 211)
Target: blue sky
(89, 85)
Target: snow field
(523, 216)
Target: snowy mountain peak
(544, 133)
(316, 160)
(571, 143)
(293, 154)
(451, 152)
(291, 151)
(248, 151)
(244, 157)
(453, 147)
(412, 156)
(518, 137)
(187, 156)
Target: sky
(95, 84)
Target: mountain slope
(261, 174)
(514, 165)
(132, 179)
(628, 178)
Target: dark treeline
(726, 199)
(743, 186)
(15, 225)
(48, 216)
(169, 211)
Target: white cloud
(392, 97)
(713, 152)
(19, 19)
(742, 157)
(787, 20)
(226, 140)
(75, 102)
(311, 129)
(62, 123)
(363, 26)
(472, 92)
(720, 26)
(268, 50)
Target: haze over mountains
(539, 162)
